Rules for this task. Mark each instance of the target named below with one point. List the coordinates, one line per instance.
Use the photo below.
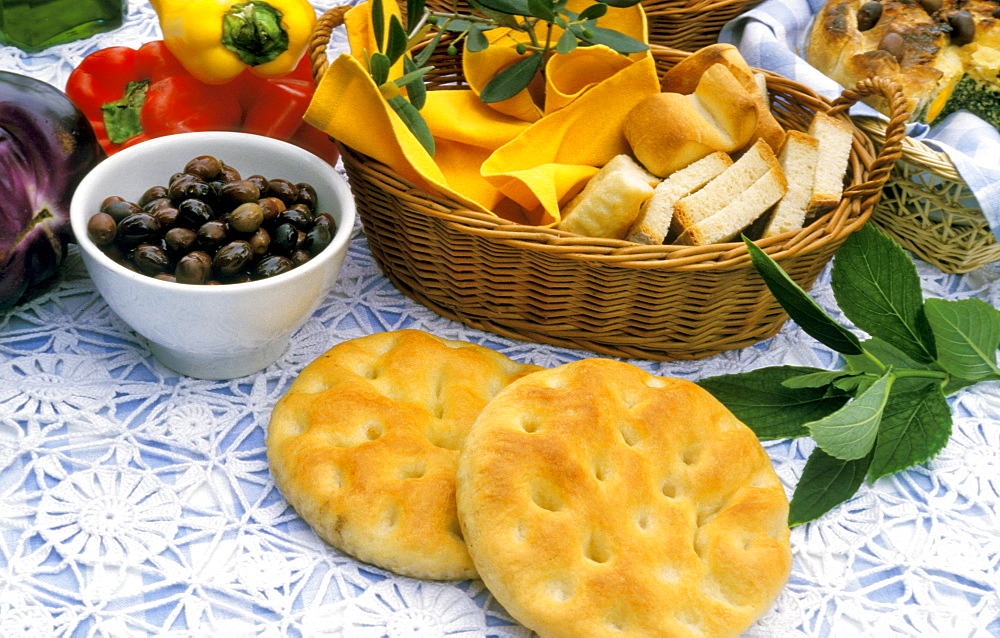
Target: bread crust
(929, 62)
(365, 442)
(597, 499)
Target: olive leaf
(510, 7)
(617, 42)
(566, 43)
(969, 332)
(414, 13)
(476, 40)
(398, 42)
(412, 79)
(800, 306)
(593, 12)
(414, 121)
(877, 287)
(512, 80)
(378, 25)
(380, 66)
(500, 18)
(542, 9)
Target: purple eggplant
(46, 147)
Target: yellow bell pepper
(216, 40)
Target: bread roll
(669, 131)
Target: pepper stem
(252, 30)
(122, 117)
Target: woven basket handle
(330, 20)
(892, 149)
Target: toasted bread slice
(798, 161)
(835, 138)
(609, 203)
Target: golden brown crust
(365, 442)
(929, 61)
(597, 499)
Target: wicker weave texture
(609, 297)
(928, 208)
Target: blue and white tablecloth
(138, 502)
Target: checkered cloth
(769, 37)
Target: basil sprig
(886, 410)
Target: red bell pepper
(132, 95)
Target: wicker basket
(929, 210)
(680, 24)
(610, 297)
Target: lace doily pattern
(134, 501)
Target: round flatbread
(365, 442)
(599, 500)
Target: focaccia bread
(599, 500)
(943, 53)
(365, 442)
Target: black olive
(893, 44)
(232, 257)
(271, 266)
(260, 242)
(298, 216)
(931, 6)
(246, 218)
(193, 268)
(234, 193)
(868, 15)
(189, 186)
(307, 195)
(283, 190)
(192, 213)
(272, 207)
(283, 239)
(204, 166)
(151, 194)
(141, 228)
(101, 229)
(180, 240)
(167, 216)
(150, 260)
(110, 199)
(120, 209)
(963, 28)
(228, 174)
(326, 219)
(156, 204)
(317, 238)
(165, 276)
(260, 181)
(211, 235)
(300, 257)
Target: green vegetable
(886, 411)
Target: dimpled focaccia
(365, 442)
(599, 500)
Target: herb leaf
(916, 424)
(414, 11)
(968, 334)
(502, 19)
(414, 121)
(566, 43)
(476, 40)
(378, 26)
(849, 433)
(773, 411)
(510, 7)
(512, 80)
(618, 42)
(416, 90)
(877, 287)
(380, 68)
(800, 306)
(825, 483)
(397, 44)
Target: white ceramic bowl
(223, 331)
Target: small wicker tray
(610, 297)
(927, 207)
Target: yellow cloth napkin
(502, 157)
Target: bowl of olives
(215, 247)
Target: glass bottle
(33, 25)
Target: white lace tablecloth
(134, 501)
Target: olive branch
(537, 19)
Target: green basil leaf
(967, 333)
(397, 40)
(800, 306)
(566, 43)
(502, 19)
(476, 41)
(414, 121)
(767, 407)
(916, 424)
(378, 25)
(414, 13)
(510, 7)
(413, 80)
(512, 80)
(594, 11)
(877, 287)
(380, 68)
(849, 433)
(542, 9)
(618, 42)
(826, 482)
